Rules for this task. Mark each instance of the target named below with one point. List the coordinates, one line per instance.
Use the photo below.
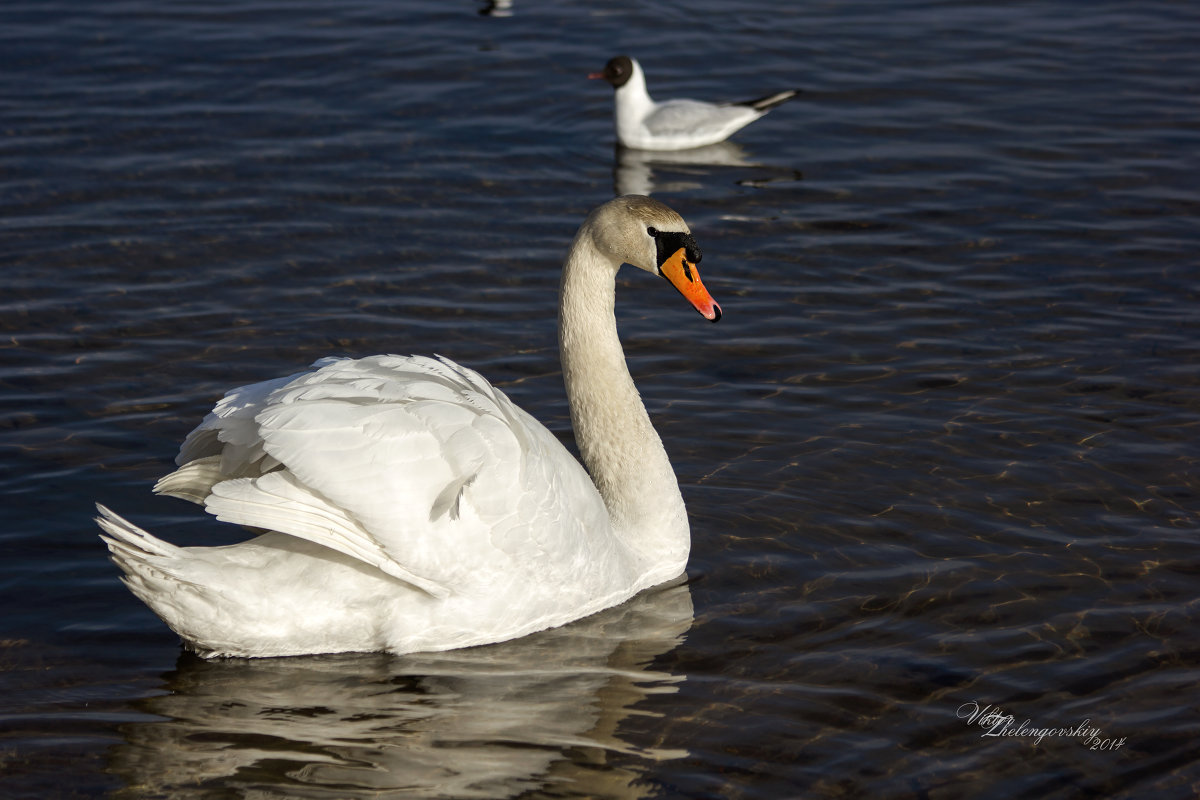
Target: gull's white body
(412, 506)
(679, 124)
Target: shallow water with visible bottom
(940, 456)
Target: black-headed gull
(675, 124)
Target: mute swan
(675, 124)
(409, 505)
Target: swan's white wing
(416, 466)
(227, 439)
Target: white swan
(675, 124)
(411, 506)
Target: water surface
(940, 454)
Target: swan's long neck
(620, 447)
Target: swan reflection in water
(634, 170)
(483, 722)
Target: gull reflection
(634, 169)
(484, 722)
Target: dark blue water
(941, 456)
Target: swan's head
(647, 234)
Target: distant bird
(675, 124)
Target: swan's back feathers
(416, 466)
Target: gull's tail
(765, 104)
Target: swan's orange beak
(683, 276)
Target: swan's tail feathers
(152, 567)
(765, 104)
(127, 541)
(165, 578)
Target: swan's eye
(652, 231)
